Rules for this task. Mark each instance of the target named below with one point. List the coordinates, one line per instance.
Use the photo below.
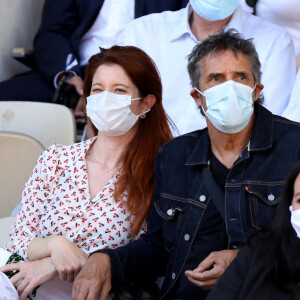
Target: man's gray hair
(222, 41)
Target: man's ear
(259, 87)
(195, 94)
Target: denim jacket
(180, 198)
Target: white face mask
(295, 220)
(229, 106)
(111, 113)
(213, 10)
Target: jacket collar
(261, 139)
(262, 135)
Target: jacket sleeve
(230, 284)
(52, 44)
(145, 258)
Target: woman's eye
(96, 91)
(216, 78)
(120, 91)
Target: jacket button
(186, 237)
(170, 212)
(202, 198)
(271, 197)
(173, 275)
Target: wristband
(62, 75)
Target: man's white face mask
(229, 106)
(214, 10)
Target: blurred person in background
(70, 32)
(285, 14)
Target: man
(169, 37)
(214, 187)
(70, 32)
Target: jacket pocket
(263, 199)
(171, 214)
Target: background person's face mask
(110, 113)
(229, 106)
(295, 220)
(213, 10)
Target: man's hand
(31, 274)
(78, 84)
(66, 257)
(211, 268)
(79, 112)
(94, 278)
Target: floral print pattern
(56, 201)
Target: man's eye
(242, 77)
(216, 78)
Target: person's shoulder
(282, 121)
(286, 132)
(68, 151)
(164, 18)
(257, 26)
(188, 140)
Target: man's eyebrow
(242, 73)
(211, 75)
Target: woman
(269, 266)
(96, 193)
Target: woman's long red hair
(153, 131)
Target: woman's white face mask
(110, 113)
(295, 220)
(295, 207)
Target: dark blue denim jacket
(180, 198)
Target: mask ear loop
(203, 112)
(144, 114)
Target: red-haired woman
(97, 193)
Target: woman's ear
(148, 102)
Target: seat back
(6, 226)
(18, 156)
(49, 123)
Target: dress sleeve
(27, 225)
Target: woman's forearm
(39, 248)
